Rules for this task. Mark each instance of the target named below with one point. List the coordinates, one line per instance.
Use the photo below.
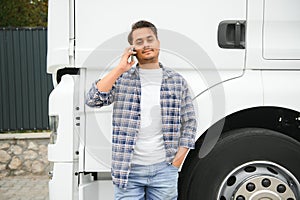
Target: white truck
(241, 59)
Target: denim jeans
(150, 182)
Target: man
(154, 121)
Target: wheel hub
(277, 190)
(259, 180)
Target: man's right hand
(124, 64)
(106, 83)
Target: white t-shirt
(149, 148)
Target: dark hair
(141, 24)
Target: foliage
(23, 13)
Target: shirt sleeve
(188, 119)
(95, 98)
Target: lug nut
(281, 188)
(266, 182)
(250, 187)
(240, 197)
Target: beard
(143, 59)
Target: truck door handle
(231, 34)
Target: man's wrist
(176, 164)
(119, 70)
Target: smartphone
(132, 56)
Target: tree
(23, 13)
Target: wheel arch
(280, 119)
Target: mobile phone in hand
(132, 55)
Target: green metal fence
(24, 83)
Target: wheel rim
(259, 180)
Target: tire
(224, 171)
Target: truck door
(202, 40)
(188, 32)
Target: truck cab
(241, 59)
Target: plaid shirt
(178, 117)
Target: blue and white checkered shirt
(178, 117)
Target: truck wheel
(245, 164)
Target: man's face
(146, 45)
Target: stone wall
(24, 154)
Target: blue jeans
(150, 182)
